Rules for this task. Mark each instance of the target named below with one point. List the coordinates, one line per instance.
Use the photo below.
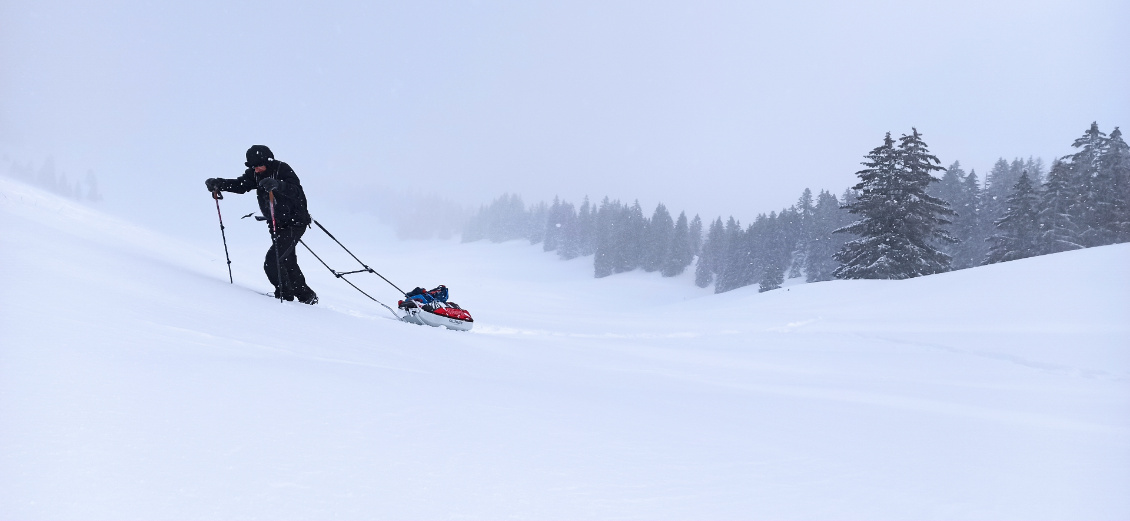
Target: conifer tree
(1018, 229)
(505, 219)
(998, 186)
(1035, 169)
(900, 222)
(949, 187)
(628, 238)
(732, 261)
(1057, 228)
(680, 255)
(772, 278)
(568, 246)
(603, 259)
(551, 227)
(998, 183)
(92, 193)
(805, 210)
(971, 226)
(586, 222)
(703, 277)
(657, 239)
(1116, 165)
(696, 235)
(710, 257)
(1092, 210)
(828, 217)
(475, 227)
(1110, 209)
(775, 246)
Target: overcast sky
(720, 108)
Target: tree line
(899, 221)
(49, 178)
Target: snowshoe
(431, 308)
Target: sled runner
(431, 308)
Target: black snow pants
(293, 284)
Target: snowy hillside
(136, 382)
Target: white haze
(713, 107)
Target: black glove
(213, 184)
(270, 184)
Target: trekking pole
(217, 196)
(275, 245)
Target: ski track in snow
(136, 382)
(1010, 358)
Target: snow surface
(136, 382)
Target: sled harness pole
(367, 268)
(217, 196)
(275, 245)
(341, 275)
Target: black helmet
(259, 155)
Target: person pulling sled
(283, 203)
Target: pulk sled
(420, 306)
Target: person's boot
(308, 297)
(283, 294)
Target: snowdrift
(136, 382)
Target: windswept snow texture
(136, 382)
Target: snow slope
(136, 382)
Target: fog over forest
(718, 109)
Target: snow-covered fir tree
(1100, 194)
(551, 226)
(998, 182)
(776, 246)
(1001, 179)
(681, 253)
(569, 239)
(950, 188)
(586, 226)
(604, 223)
(504, 219)
(950, 185)
(806, 217)
(628, 238)
(971, 226)
(1057, 229)
(711, 256)
(733, 262)
(1018, 229)
(1101, 165)
(827, 217)
(1116, 164)
(901, 224)
(657, 239)
(696, 234)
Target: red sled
(431, 308)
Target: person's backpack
(439, 293)
(426, 296)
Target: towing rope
(341, 274)
(367, 268)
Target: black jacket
(290, 200)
